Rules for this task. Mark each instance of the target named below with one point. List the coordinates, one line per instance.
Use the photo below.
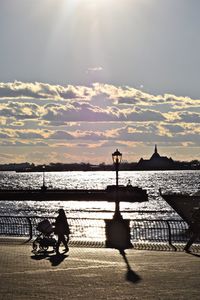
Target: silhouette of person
(129, 182)
(195, 228)
(62, 230)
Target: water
(176, 181)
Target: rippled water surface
(176, 181)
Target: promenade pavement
(97, 273)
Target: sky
(82, 78)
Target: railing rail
(93, 229)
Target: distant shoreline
(124, 166)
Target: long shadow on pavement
(55, 259)
(194, 254)
(130, 275)
(40, 255)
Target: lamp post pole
(43, 186)
(117, 171)
(117, 157)
(43, 176)
(117, 214)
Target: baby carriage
(45, 239)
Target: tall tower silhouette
(155, 151)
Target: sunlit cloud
(94, 69)
(17, 90)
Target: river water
(168, 181)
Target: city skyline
(82, 78)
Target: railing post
(30, 228)
(170, 235)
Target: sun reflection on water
(177, 181)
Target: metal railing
(159, 231)
(93, 229)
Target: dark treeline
(124, 166)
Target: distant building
(156, 162)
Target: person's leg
(191, 241)
(58, 243)
(65, 242)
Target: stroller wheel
(44, 248)
(34, 246)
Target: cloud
(188, 117)
(38, 90)
(94, 69)
(173, 128)
(20, 110)
(143, 115)
(60, 135)
(6, 133)
(22, 143)
(94, 117)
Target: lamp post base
(117, 216)
(118, 233)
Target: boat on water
(184, 204)
(127, 193)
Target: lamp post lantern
(117, 158)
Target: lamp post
(43, 186)
(117, 158)
(117, 229)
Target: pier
(125, 193)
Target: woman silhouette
(62, 229)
